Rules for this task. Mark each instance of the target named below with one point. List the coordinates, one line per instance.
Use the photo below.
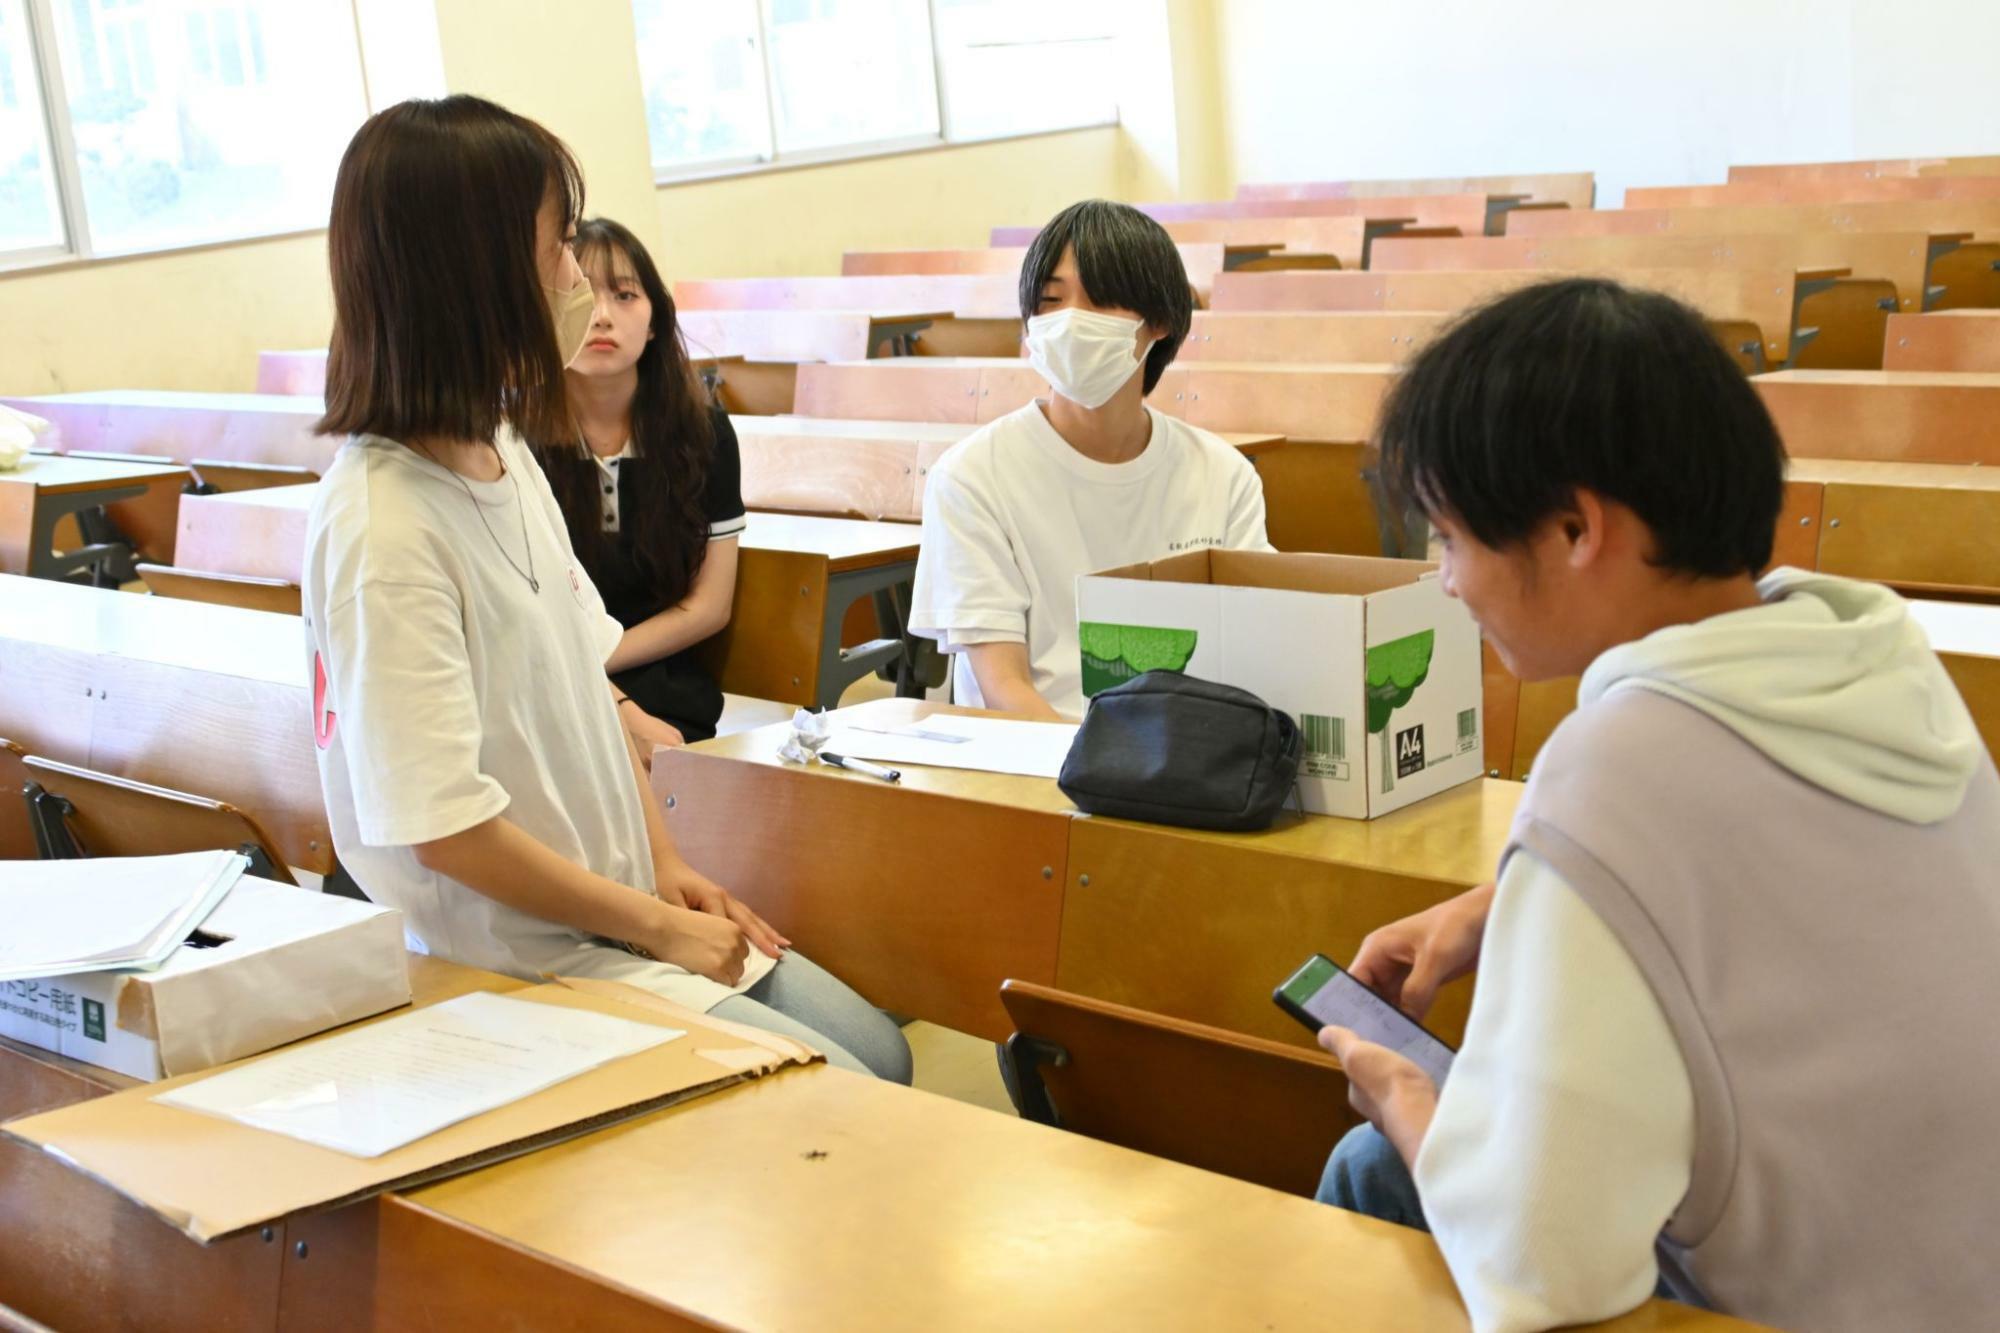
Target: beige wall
(803, 220)
(191, 320)
(196, 319)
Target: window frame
(780, 160)
(77, 247)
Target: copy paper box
(1379, 668)
(271, 964)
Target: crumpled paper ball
(810, 733)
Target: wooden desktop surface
(810, 1198)
(822, 1199)
(56, 474)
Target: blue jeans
(802, 1000)
(1366, 1175)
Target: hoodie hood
(1831, 678)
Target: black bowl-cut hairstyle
(1586, 384)
(1127, 262)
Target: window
(135, 125)
(30, 207)
(736, 83)
(1023, 66)
(846, 72)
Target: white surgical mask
(1086, 357)
(572, 312)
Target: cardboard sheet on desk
(211, 1178)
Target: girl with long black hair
(650, 490)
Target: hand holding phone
(1322, 993)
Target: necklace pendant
(535, 586)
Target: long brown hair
(440, 327)
(662, 502)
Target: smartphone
(1324, 993)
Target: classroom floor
(955, 1065)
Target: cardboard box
(1379, 668)
(273, 963)
(211, 1178)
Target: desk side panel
(1202, 929)
(924, 903)
(78, 1256)
(247, 742)
(391, 1264)
(1913, 534)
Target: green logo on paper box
(1113, 654)
(1395, 670)
(93, 1020)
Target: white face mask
(1086, 357)
(572, 312)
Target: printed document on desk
(105, 913)
(984, 744)
(367, 1092)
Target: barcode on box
(1325, 746)
(1468, 730)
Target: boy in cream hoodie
(1732, 1036)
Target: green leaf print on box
(1395, 670)
(1113, 654)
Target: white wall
(1643, 95)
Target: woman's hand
(708, 946)
(704, 895)
(648, 731)
(1406, 961)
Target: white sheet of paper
(988, 744)
(107, 912)
(377, 1088)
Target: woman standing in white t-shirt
(1090, 478)
(475, 771)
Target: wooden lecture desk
(1866, 169)
(1890, 271)
(811, 1198)
(206, 699)
(926, 895)
(807, 335)
(181, 427)
(1966, 636)
(1468, 214)
(985, 307)
(1947, 340)
(796, 577)
(46, 488)
(1884, 188)
(1341, 229)
(1962, 277)
(292, 371)
(1576, 189)
(1903, 258)
(867, 469)
(1316, 498)
(1367, 335)
(1886, 415)
(1765, 300)
(1310, 336)
(1927, 529)
(1203, 259)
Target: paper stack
(106, 913)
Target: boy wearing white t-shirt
(1087, 479)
